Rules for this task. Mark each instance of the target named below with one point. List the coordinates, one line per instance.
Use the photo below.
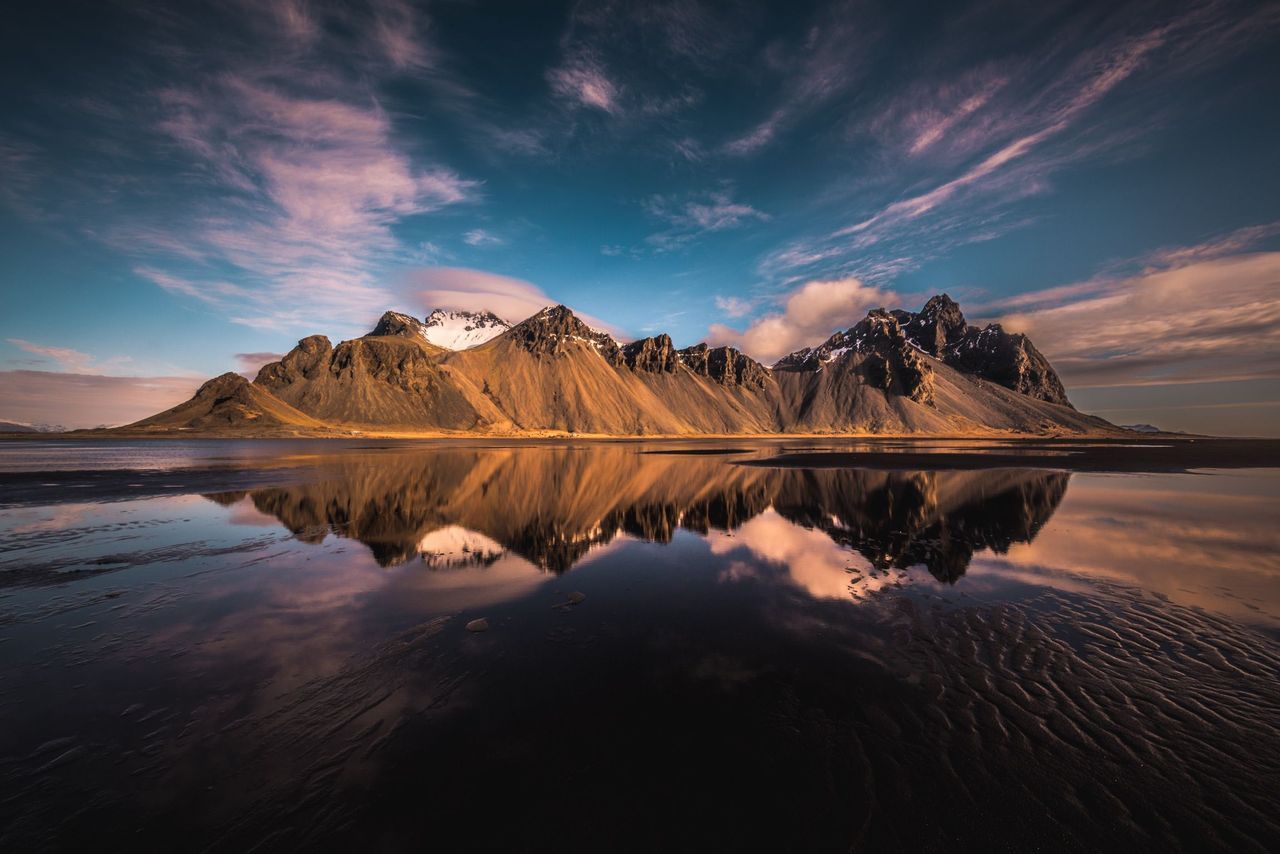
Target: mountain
(926, 372)
(469, 507)
(231, 401)
(16, 427)
(22, 427)
(458, 330)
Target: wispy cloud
(583, 82)
(70, 360)
(312, 187)
(1003, 129)
(693, 216)
(288, 174)
(734, 306)
(810, 314)
(87, 400)
(479, 237)
(1196, 314)
(828, 61)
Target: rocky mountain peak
(1009, 359)
(877, 349)
(306, 361)
(228, 387)
(395, 323)
(937, 326)
(725, 365)
(939, 330)
(655, 355)
(556, 329)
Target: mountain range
(926, 372)
(469, 507)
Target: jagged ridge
(893, 371)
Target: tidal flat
(799, 644)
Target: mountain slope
(391, 377)
(231, 402)
(893, 372)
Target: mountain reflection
(457, 508)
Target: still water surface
(683, 651)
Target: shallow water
(267, 645)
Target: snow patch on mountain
(461, 330)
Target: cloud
(260, 173)
(313, 186)
(1113, 70)
(395, 32)
(810, 314)
(88, 400)
(826, 62)
(248, 364)
(480, 237)
(700, 214)
(734, 306)
(69, 359)
(462, 289)
(583, 82)
(1207, 319)
(980, 138)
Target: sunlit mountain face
(189, 191)
(755, 640)
(462, 509)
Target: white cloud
(480, 237)
(696, 215)
(462, 289)
(810, 314)
(734, 306)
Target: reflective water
(684, 651)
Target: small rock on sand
(480, 625)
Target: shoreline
(54, 484)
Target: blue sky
(189, 190)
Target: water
(264, 644)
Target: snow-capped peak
(460, 330)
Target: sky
(188, 189)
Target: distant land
(460, 373)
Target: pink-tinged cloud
(248, 364)
(583, 82)
(810, 314)
(462, 289)
(313, 181)
(1206, 320)
(87, 400)
(64, 357)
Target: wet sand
(682, 652)
(1096, 455)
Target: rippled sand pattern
(1122, 716)
(680, 654)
